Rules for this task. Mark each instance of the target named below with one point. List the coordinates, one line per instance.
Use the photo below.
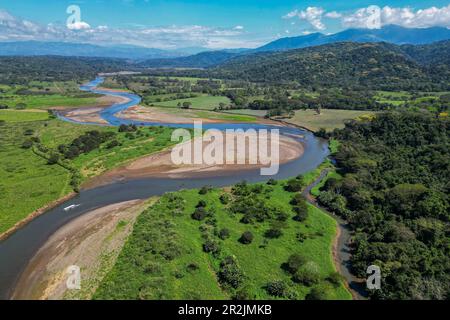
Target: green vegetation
(33, 171)
(203, 102)
(328, 119)
(191, 245)
(394, 192)
(22, 116)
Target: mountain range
(202, 58)
(391, 34)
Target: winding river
(17, 250)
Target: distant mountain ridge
(39, 48)
(391, 34)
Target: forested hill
(200, 60)
(373, 65)
(394, 192)
(20, 70)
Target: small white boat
(71, 207)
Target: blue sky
(206, 23)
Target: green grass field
(247, 112)
(48, 101)
(23, 115)
(329, 119)
(203, 102)
(158, 258)
(28, 183)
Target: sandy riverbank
(91, 242)
(161, 165)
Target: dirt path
(341, 244)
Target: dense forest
(22, 70)
(394, 192)
(379, 66)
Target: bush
(298, 200)
(53, 159)
(335, 279)
(211, 246)
(199, 214)
(225, 198)
(230, 273)
(273, 233)
(201, 203)
(28, 132)
(205, 190)
(316, 294)
(191, 267)
(272, 182)
(276, 288)
(27, 144)
(294, 263)
(301, 216)
(307, 276)
(113, 144)
(224, 233)
(294, 185)
(246, 238)
(2, 122)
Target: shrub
(273, 233)
(294, 185)
(301, 216)
(201, 203)
(224, 233)
(113, 144)
(276, 288)
(205, 190)
(225, 198)
(27, 144)
(191, 267)
(53, 159)
(307, 276)
(28, 132)
(272, 182)
(298, 199)
(335, 279)
(199, 214)
(294, 263)
(316, 294)
(230, 273)
(211, 246)
(246, 238)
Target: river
(17, 250)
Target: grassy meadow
(164, 258)
(28, 182)
(329, 119)
(204, 102)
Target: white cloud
(312, 14)
(78, 26)
(163, 37)
(406, 17)
(333, 15)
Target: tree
(316, 294)
(199, 214)
(294, 262)
(224, 233)
(246, 238)
(276, 288)
(53, 159)
(187, 105)
(230, 273)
